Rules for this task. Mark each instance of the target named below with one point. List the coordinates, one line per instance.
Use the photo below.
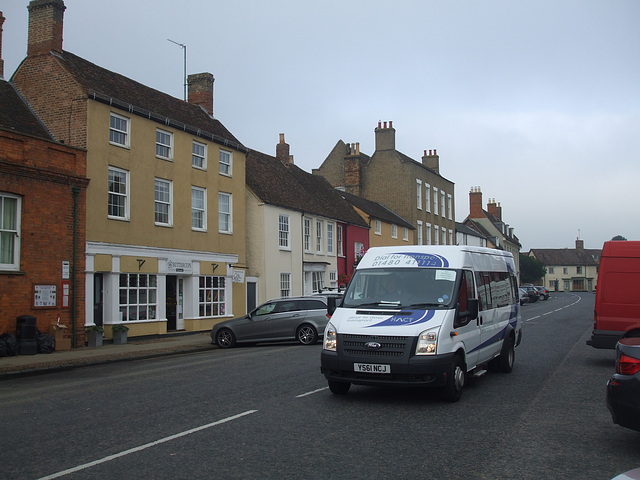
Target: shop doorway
(98, 299)
(174, 303)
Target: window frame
(285, 284)
(228, 170)
(211, 294)
(330, 230)
(125, 133)
(228, 215)
(126, 196)
(284, 231)
(419, 193)
(197, 209)
(195, 155)
(168, 202)
(134, 291)
(307, 234)
(377, 227)
(319, 236)
(168, 146)
(427, 203)
(15, 232)
(435, 201)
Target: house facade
(385, 227)
(165, 227)
(465, 235)
(42, 223)
(413, 190)
(569, 270)
(489, 224)
(303, 236)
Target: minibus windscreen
(401, 287)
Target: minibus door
(467, 328)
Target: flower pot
(120, 337)
(94, 339)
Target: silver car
(292, 318)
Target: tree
(618, 237)
(531, 269)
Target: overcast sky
(535, 101)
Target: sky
(537, 102)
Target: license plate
(371, 368)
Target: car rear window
(312, 305)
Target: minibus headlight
(427, 343)
(330, 338)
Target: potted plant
(94, 334)
(119, 334)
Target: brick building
(42, 222)
(413, 190)
(490, 225)
(165, 231)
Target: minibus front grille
(389, 346)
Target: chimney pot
(282, 138)
(385, 124)
(390, 124)
(379, 124)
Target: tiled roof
(289, 186)
(105, 85)
(566, 256)
(376, 210)
(15, 114)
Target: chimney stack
(432, 161)
(45, 26)
(282, 151)
(475, 203)
(385, 137)
(201, 90)
(579, 244)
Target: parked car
(534, 295)
(623, 389)
(544, 293)
(524, 296)
(292, 318)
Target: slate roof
(376, 210)
(110, 87)
(566, 256)
(16, 116)
(289, 186)
(462, 228)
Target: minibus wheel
(507, 355)
(455, 380)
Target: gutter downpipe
(76, 191)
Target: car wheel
(225, 338)
(339, 388)
(307, 334)
(455, 380)
(507, 355)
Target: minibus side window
(465, 294)
(484, 290)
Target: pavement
(134, 349)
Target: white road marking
(144, 447)
(311, 393)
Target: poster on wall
(45, 296)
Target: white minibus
(424, 316)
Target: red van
(617, 310)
